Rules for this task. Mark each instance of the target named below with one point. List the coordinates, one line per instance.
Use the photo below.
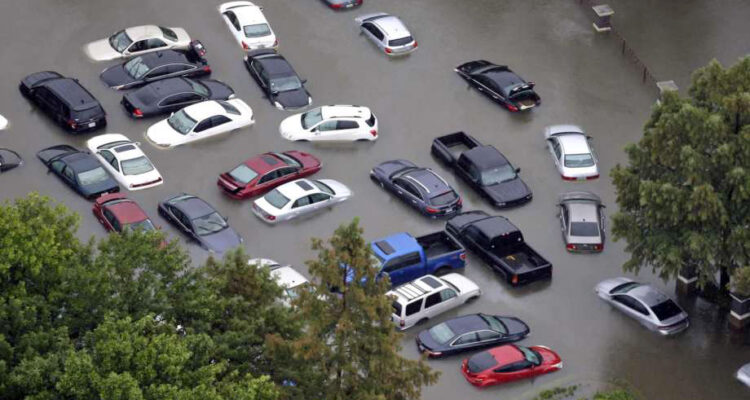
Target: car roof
(485, 157)
(126, 211)
(163, 57)
(395, 245)
(392, 26)
(265, 162)
(72, 93)
(502, 76)
(144, 32)
(296, 189)
(248, 15)
(574, 143)
(276, 65)
(194, 207)
(419, 288)
(648, 295)
(166, 87)
(344, 111)
(581, 211)
(204, 110)
(466, 323)
(495, 226)
(288, 276)
(81, 161)
(507, 354)
(427, 181)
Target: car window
(344, 124)
(168, 33)
(112, 220)
(467, 339)
(631, 303)
(556, 148)
(229, 108)
(323, 187)
(408, 187)
(441, 333)
(91, 177)
(68, 173)
(414, 307)
(666, 310)
(312, 117)
(487, 335)
(432, 300)
(219, 120)
(232, 19)
(107, 155)
(374, 30)
(587, 229)
(120, 41)
(327, 126)
(396, 308)
(181, 122)
(401, 41)
(243, 174)
(319, 197)
(157, 72)
(209, 224)
(137, 166)
(269, 176)
(138, 46)
(499, 174)
(447, 294)
(579, 160)
(57, 166)
(444, 198)
(155, 43)
(286, 171)
(513, 367)
(402, 262)
(301, 202)
(276, 199)
(256, 30)
(184, 220)
(174, 99)
(203, 125)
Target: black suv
(64, 99)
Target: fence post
(603, 13)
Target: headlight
(278, 105)
(309, 100)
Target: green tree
(684, 197)
(349, 348)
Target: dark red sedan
(116, 212)
(264, 172)
(509, 363)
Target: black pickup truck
(484, 168)
(500, 244)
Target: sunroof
(431, 281)
(124, 148)
(304, 185)
(270, 160)
(385, 247)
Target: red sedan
(264, 172)
(116, 212)
(509, 363)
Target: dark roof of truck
(485, 157)
(495, 226)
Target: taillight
(592, 177)
(570, 247)
(245, 46)
(72, 124)
(569, 178)
(460, 202)
(270, 217)
(402, 323)
(388, 50)
(432, 210)
(514, 280)
(434, 353)
(207, 69)
(336, 5)
(374, 133)
(137, 112)
(511, 107)
(276, 42)
(462, 256)
(415, 44)
(598, 247)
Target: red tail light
(388, 50)
(415, 44)
(72, 124)
(276, 42)
(432, 210)
(592, 177)
(511, 107)
(374, 133)
(270, 217)
(569, 178)
(402, 323)
(245, 46)
(598, 247)
(137, 112)
(570, 247)
(335, 5)
(462, 256)
(460, 202)
(207, 68)
(514, 280)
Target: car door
(135, 48)
(233, 23)
(325, 130)
(285, 174)
(630, 306)
(110, 221)
(320, 200)
(219, 124)
(41, 97)
(300, 206)
(407, 192)
(258, 72)
(373, 33)
(347, 129)
(487, 337)
(201, 129)
(556, 150)
(449, 299)
(432, 305)
(182, 221)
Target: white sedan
(248, 25)
(200, 121)
(3, 123)
(334, 123)
(298, 198)
(125, 161)
(285, 275)
(570, 149)
(137, 40)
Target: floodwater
(580, 76)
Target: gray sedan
(644, 303)
(388, 33)
(582, 222)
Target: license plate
(350, 5)
(581, 178)
(92, 124)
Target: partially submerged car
(278, 80)
(79, 170)
(117, 213)
(573, 155)
(170, 95)
(137, 40)
(500, 84)
(125, 161)
(388, 33)
(582, 222)
(470, 332)
(264, 172)
(248, 25)
(9, 159)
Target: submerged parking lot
(580, 76)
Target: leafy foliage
(684, 197)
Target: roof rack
(411, 291)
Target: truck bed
(449, 147)
(438, 244)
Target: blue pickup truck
(404, 258)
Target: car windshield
(666, 310)
(494, 323)
(294, 292)
(530, 355)
(444, 198)
(323, 187)
(497, 175)
(146, 226)
(396, 308)
(181, 122)
(588, 229)
(289, 160)
(442, 333)
(168, 33)
(624, 288)
(276, 199)
(400, 41)
(136, 166)
(120, 41)
(92, 176)
(579, 160)
(136, 68)
(243, 174)
(311, 118)
(209, 224)
(88, 113)
(481, 362)
(198, 88)
(285, 84)
(257, 30)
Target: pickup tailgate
(525, 265)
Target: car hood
(115, 76)
(101, 50)
(163, 135)
(291, 127)
(341, 191)
(298, 98)
(222, 240)
(219, 90)
(508, 191)
(515, 326)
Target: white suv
(331, 123)
(430, 296)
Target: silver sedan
(582, 222)
(645, 304)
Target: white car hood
(291, 128)
(100, 50)
(163, 135)
(342, 192)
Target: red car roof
(506, 354)
(265, 162)
(127, 211)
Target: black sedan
(9, 159)
(201, 222)
(470, 332)
(420, 188)
(169, 95)
(276, 77)
(79, 170)
(155, 66)
(500, 84)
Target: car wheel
(302, 140)
(471, 299)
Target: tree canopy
(684, 197)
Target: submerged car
(500, 84)
(582, 222)
(125, 161)
(248, 25)
(79, 170)
(278, 80)
(199, 221)
(170, 95)
(137, 40)
(574, 158)
(264, 172)
(343, 4)
(9, 159)
(298, 198)
(117, 213)
(286, 276)
(155, 66)
(509, 363)
(421, 188)
(388, 33)
(470, 332)
(644, 303)
(334, 123)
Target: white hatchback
(137, 40)
(570, 149)
(429, 296)
(200, 121)
(334, 123)
(298, 198)
(248, 25)
(125, 161)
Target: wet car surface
(580, 75)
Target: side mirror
(518, 170)
(303, 81)
(226, 219)
(589, 137)
(275, 92)
(137, 143)
(314, 129)
(531, 84)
